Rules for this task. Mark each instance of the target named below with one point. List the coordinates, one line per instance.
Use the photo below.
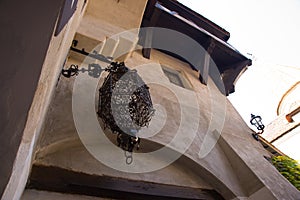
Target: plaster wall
(282, 133)
(235, 167)
(126, 14)
(279, 127)
(33, 58)
(44, 195)
(289, 143)
(109, 17)
(24, 42)
(60, 141)
(290, 100)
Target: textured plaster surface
(235, 167)
(51, 69)
(44, 195)
(24, 42)
(115, 11)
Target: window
(176, 77)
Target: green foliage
(289, 168)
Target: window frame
(181, 76)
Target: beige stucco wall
(290, 100)
(44, 195)
(235, 167)
(282, 133)
(125, 14)
(278, 127)
(289, 143)
(109, 17)
(51, 69)
(60, 138)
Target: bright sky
(270, 31)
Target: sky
(268, 32)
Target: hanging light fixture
(124, 104)
(256, 121)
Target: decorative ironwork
(256, 121)
(94, 70)
(71, 71)
(124, 104)
(93, 54)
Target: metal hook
(71, 71)
(129, 158)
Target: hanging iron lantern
(256, 121)
(125, 104)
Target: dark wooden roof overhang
(211, 37)
(67, 181)
(188, 14)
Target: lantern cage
(256, 121)
(125, 104)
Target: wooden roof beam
(204, 68)
(149, 33)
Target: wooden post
(203, 75)
(149, 33)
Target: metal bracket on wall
(93, 69)
(94, 54)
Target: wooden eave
(225, 57)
